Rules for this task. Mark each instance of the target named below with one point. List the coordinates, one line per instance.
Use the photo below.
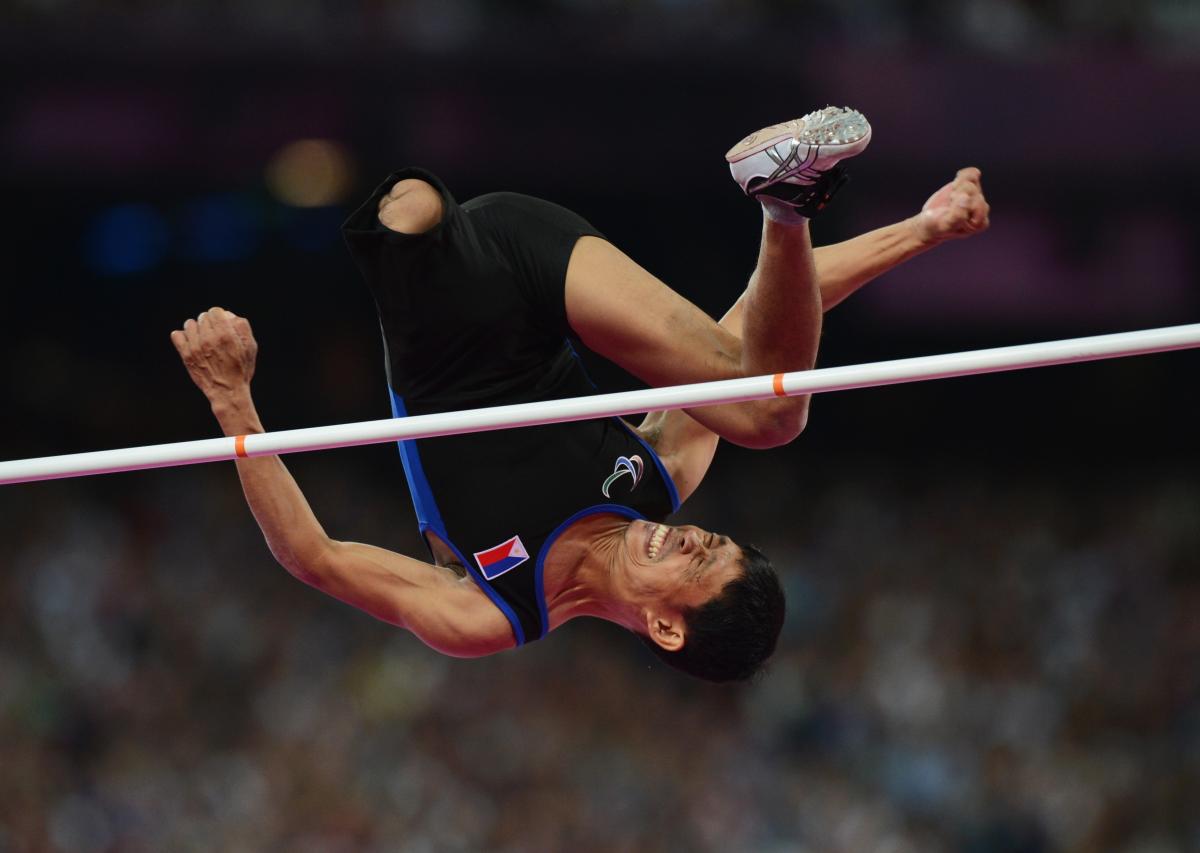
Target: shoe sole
(821, 128)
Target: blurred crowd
(1005, 27)
(993, 634)
(972, 662)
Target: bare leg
(630, 317)
(781, 317)
(782, 305)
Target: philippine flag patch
(503, 558)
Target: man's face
(687, 566)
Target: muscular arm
(446, 613)
(843, 268)
(956, 210)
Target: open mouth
(657, 537)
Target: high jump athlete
(529, 528)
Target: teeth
(656, 540)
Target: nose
(693, 540)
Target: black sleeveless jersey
(501, 499)
(473, 314)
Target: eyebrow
(712, 558)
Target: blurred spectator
(980, 656)
(1000, 26)
(975, 667)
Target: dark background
(993, 640)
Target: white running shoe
(796, 162)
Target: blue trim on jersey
(614, 509)
(662, 469)
(428, 515)
(430, 518)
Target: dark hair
(730, 637)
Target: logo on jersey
(503, 558)
(631, 465)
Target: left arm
(842, 268)
(957, 210)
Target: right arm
(445, 612)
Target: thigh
(633, 319)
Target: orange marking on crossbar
(777, 384)
(239, 446)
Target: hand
(219, 351)
(956, 210)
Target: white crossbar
(605, 405)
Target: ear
(666, 629)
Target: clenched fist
(219, 351)
(956, 210)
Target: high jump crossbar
(606, 405)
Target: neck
(581, 577)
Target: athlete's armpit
(684, 446)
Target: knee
(412, 206)
(778, 422)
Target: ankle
(781, 213)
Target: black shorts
(473, 311)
